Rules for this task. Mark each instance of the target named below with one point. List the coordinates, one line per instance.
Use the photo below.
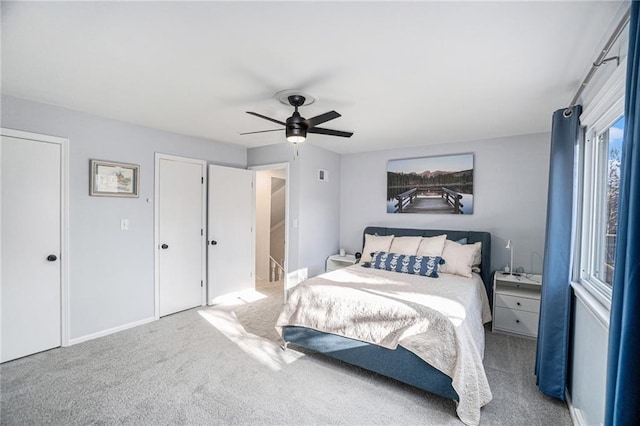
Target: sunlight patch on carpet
(238, 298)
(262, 350)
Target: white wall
(313, 206)
(111, 273)
(588, 369)
(510, 195)
(319, 208)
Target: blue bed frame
(399, 364)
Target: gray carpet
(222, 366)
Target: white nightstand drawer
(516, 321)
(517, 303)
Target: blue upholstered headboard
(471, 236)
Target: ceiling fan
(297, 127)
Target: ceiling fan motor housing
(296, 125)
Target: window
(599, 192)
(608, 183)
(613, 143)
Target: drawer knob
(518, 303)
(517, 321)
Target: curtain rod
(601, 58)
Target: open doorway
(271, 230)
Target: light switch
(124, 224)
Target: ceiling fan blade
(266, 118)
(322, 118)
(261, 131)
(330, 132)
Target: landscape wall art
(440, 185)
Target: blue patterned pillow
(416, 265)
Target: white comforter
(438, 319)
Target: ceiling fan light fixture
(296, 135)
(296, 139)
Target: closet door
(31, 246)
(180, 234)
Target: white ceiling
(401, 74)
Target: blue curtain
(623, 373)
(555, 303)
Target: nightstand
(336, 261)
(516, 303)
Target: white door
(231, 240)
(31, 235)
(180, 235)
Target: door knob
(164, 247)
(52, 258)
(214, 242)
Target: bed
(435, 340)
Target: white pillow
(477, 259)
(458, 258)
(373, 243)
(405, 245)
(431, 246)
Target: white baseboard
(576, 414)
(110, 331)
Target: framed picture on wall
(110, 179)
(441, 185)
